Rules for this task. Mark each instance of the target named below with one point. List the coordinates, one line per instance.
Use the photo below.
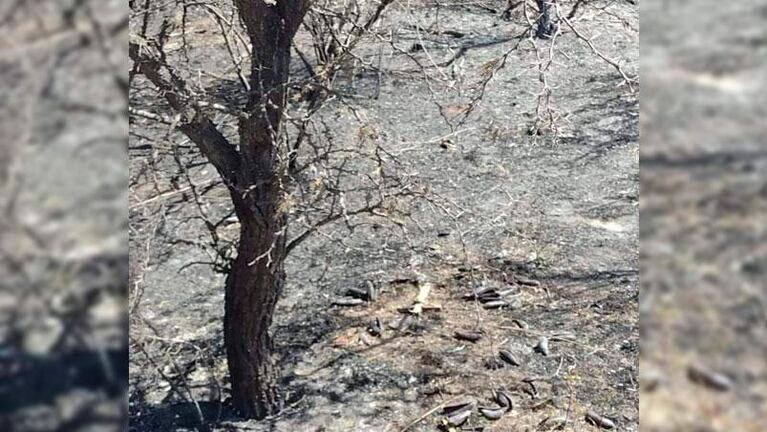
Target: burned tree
(544, 27)
(259, 164)
(251, 174)
(253, 137)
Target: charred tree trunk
(253, 175)
(258, 276)
(545, 26)
(253, 287)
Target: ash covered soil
(704, 203)
(63, 194)
(551, 221)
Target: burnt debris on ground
(544, 228)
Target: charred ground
(562, 212)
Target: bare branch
(192, 121)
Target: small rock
(75, 403)
(375, 327)
(650, 379)
(35, 418)
(367, 340)
(63, 303)
(542, 346)
(416, 260)
(411, 395)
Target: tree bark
(257, 277)
(253, 287)
(545, 26)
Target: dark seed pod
(521, 324)
(458, 418)
(706, 377)
(600, 421)
(348, 301)
(474, 295)
(495, 304)
(357, 293)
(492, 413)
(509, 357)
(466, 335)
(504, 399)
(491, 297)
(372, 291)
(461, 405)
